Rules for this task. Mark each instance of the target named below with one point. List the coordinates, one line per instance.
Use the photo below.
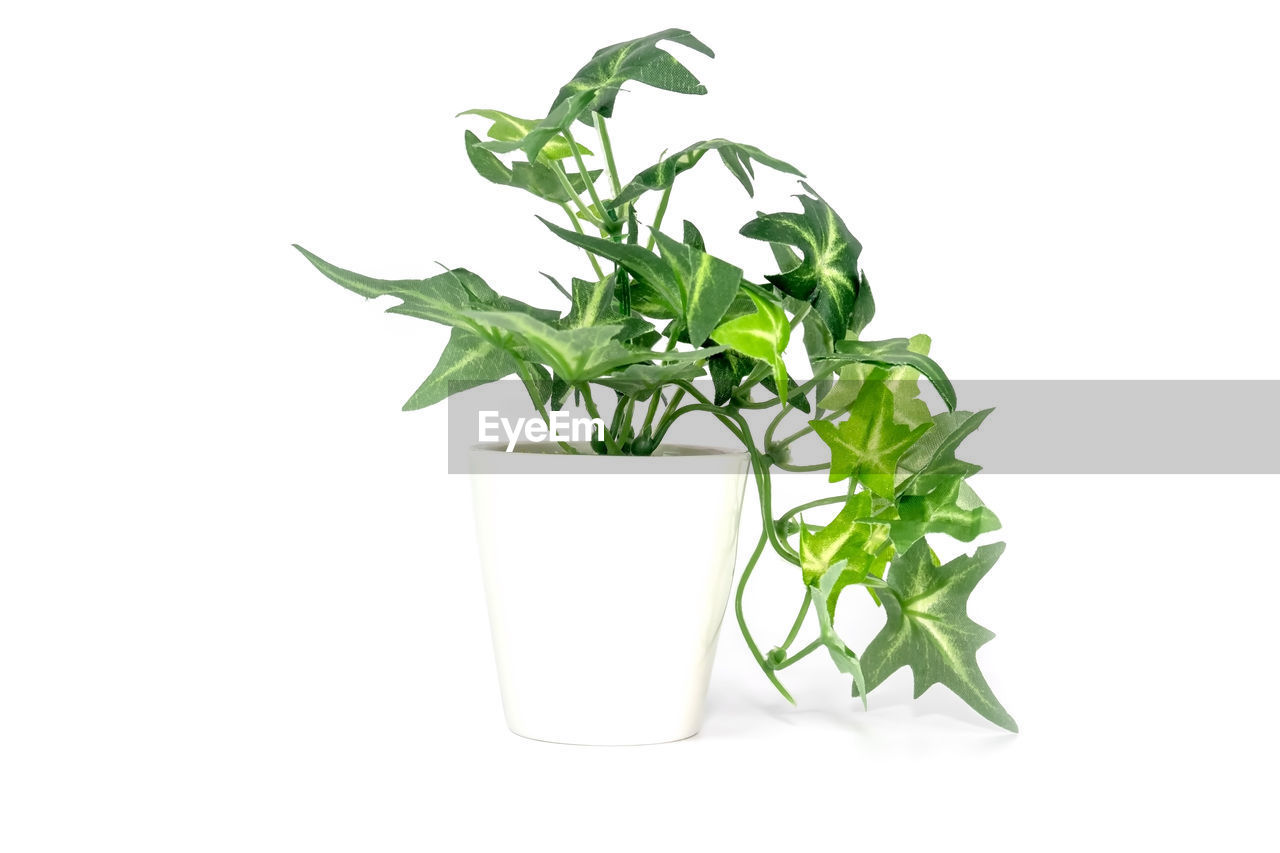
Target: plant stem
(608, 155)
(794, 511)
(812, 647)
(802, 469)
(609, 442)
(558, 171)
(657, 217)
(577, 226)
(804, 611)
(586, 176)
(742, 621)
(527, 377)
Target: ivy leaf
(824, 597)
(727, 370)
(693, 236)
(591, 303)
(933, 460)
(869, 444)
(536, 178)
(735, 156)
(763, 335)
(467, 361)
(840, 540)
(928, 628)
(828, 274)
(506, 128)
(440, 298)
(642, 380)
(896, 351)
(952, 508)
(596, 85)
(660, 291)
(575, 355)
(901, 380)
(707, 285)
(800, 401)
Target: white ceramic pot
(607, 579)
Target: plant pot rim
(666, 453)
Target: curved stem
(804, 611)
(586, 176)
(527, 377)
(657, 217)
(796, 510)
(801, 469)
(742, 622)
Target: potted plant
(658, 312)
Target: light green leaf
(467, 361)
(735, 156)
(869, 444)
(902, 381)
(952, 508)
(707, 285)
(896, 351)
(763, 335)
(847, 538)
(509, 129)
(928, 628)
(828, 274)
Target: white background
(239, 601)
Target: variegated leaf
(868, 445)
(763, 335)
(510, 132)
(928, 628)
(735, 156)
(467, 361)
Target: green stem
(586, 176)
(807, 650)
(803, 469)
(742, 621)
(608, 155)
(559, 172)
(805, 430)
(657, 218)
(577, 226)
(609, 441)
(804, 611)
(527, 377)
(794, 511)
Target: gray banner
(1038, 427)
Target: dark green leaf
(736, 157)
(828, 275)
(693, 236)
(896, 351)
(928, 628)
(707, 285)
(536, 178)
(933, 461)
(727, 370)
(952, 508)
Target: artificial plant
(659, 311)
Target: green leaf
(902, 381)
(850, 537)
(596, 85)
(763, 335)
(707, 285)
(507, 128)
(642, 380)
(440, 298)
(575, 355)
(896, 351)
(467, 361)
(591, 304)
(928, 628)
(693, 236)
(735, 156)
(800, 401)
(952, 508)
(649, 269)
(828, 274)
(536, 178)
(933, 461)
(727, 370)
(869, 444)
(825, 591)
